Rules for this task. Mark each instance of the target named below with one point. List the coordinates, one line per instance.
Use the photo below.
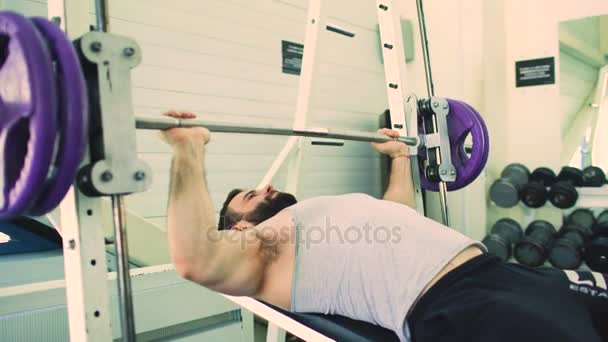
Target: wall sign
(535, 72)
(292, 57)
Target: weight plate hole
(18, 137)
(4, 43)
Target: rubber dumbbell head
(563, 193)
(535, 194)
(506, 190)
(534, 247)
(505, 232)
(603, 217)
(567, 250)
(571, 175)
(600, 228)
(596, 254)
(582, 217)
(593, 176)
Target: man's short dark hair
(228, 217)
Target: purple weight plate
(28, 119)
(486, 136)
(462, 121)
(461, 151)
(72, 116)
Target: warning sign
(292, 57)
(535, 72)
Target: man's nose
(268, 189)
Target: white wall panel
(30, 8)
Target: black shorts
(486, 299)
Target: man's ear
(242, 225)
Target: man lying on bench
(372, 260)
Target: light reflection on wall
(600, 142)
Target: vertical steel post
(125, 299)
(443, 190)
(102, 16)
(121, 247)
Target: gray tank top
(367, 259)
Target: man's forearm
(190, 213)
(401, 186)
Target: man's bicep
(237, 267)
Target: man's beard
(270, 207)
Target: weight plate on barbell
(72, 117)
(486, 142)
(28, 119)
(462, 121)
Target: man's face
(260, 205)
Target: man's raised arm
(400, 186)
(225, 261)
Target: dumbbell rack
(595, 199)
(590, 198)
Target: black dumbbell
(505, 191)
(567, 250)
(563, 193)
(596, 254)
(593, 176)
(534, 194)
(534, 247)
(603, 217)
(582, 217)
(596, 251)
(504, 234)
(601, 224)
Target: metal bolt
(72, 244)
(96, 46)
(453, 172)
(313, 21)
(443, 172)
(106, 176)
(393, 85)
(128, 52)
(445, 106)
(435, 104)
(388, 46)
(383, 7)
(603, 258)
(139, 175)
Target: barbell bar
(147, 123)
